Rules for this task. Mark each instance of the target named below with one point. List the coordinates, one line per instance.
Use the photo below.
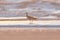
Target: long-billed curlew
(30, 18)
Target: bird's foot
(30, 23)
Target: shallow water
(39, 23)
(13, 10)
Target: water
(12, 10)
(45, 24)
(14, 1)
(43, 6)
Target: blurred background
(38, 8)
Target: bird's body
(31, 18)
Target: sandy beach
(12, 12)
(29, 34)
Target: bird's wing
(35, 17)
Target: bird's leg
(31, 22)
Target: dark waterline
(30, 26)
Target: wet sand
(29, 34)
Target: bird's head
(26, 13)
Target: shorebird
(30, 18)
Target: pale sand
(29, 34)
(27, 22)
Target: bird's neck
(26, 14)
